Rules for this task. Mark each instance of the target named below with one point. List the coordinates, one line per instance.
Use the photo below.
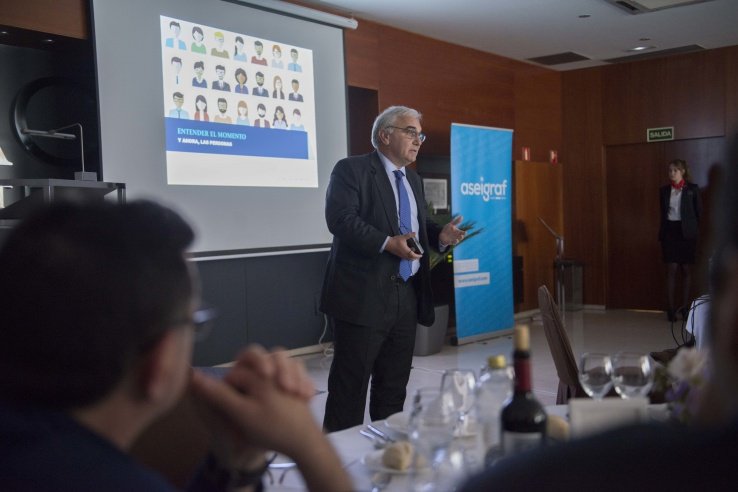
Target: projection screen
(232, 115)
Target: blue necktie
(406, 266)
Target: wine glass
(431, 429)
(632, 374)
(459, 385)
(595, 374)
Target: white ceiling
(522, 29)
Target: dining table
(362, 460)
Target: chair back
(558, 343)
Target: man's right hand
(397, 245)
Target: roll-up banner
(481, 191)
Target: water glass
(595, 374)
(459, 385)
(432, 421)
(632, 374)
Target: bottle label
(517, 442)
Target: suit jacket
(690, 208)
(361, 212)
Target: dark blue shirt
(45, 450)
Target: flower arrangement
(684, 381)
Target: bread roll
(398, 455)
(557, 428)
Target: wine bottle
(523, 419)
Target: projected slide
(239, 110)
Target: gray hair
(388, 117)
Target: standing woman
(681, 207)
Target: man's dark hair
(219, 67)
(200, 64)
(87, 289)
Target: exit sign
(659, 134)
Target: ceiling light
(584, 16)
(47, 40)
(641, 48)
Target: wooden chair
(558, 343)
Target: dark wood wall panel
(537, 113)
(536, 197)
(634, 174)
(686, 92)
(731, 91)
(63, 17)
(583, 178)
(606, 111)
(363, 56)
(635, 272)
(453, 84)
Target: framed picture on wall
(436, 193)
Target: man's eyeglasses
(410, 132)
(203, 319)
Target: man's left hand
(451, 235)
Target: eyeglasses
(410, 132)
(202, 320)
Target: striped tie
(406, 266)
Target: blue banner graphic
(481, 180)
(221, 138)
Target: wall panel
(63, 17)
(583, 179)
(686, 92)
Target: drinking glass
(459, 385)
(431, 426)
(595, 374)
(632, 374)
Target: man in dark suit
(220, 84)
(376, 288)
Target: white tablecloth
(352, 447)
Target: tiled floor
(589, 331)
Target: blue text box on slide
(481, 191)
(205, 137)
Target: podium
(26, 195)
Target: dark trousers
(384, 353)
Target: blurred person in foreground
(99, 313)
(656, 456)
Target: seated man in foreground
(98, 304)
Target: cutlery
(381, 434)
(378, 444)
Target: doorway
(636, 274)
